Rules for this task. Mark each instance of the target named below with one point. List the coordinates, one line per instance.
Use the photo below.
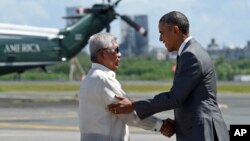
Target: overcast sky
(228, 21)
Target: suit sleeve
(150, 123)
(187, 77)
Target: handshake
(168, 127)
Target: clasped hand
(168, 128)
(124, 106)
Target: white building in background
(132, 42)
(228, 52)
(159, 53)
(72, 11)
(213, 45)
(242, 78)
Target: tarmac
(27, 99)
(231, 105)
(57, 98)
(23, 99)
(17, 100)
(8, 99)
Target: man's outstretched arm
(123, 106)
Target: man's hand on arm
(168, 128)
(123, 106)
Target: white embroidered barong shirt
(97, 123)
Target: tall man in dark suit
(193, 94)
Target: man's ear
(176, 29)
(101, 54)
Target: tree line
(135, 68)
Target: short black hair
(177, 18)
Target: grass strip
(128, 87)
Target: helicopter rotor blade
(90, 10)
(116, 3)
(137, 27)
(73, 17)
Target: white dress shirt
(97, 123)
(183, 45)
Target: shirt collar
(103, 68)
(183, 45)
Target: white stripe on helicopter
(28, 63)
(28, 30)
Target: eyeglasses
(116, 50)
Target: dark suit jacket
(193, 98)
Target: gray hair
(98, 41)
(176, 18)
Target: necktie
(177, 58)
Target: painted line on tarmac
(51, 127)
(9, 118)
(223, 106)
(38, 126)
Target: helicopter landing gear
(17, 76)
